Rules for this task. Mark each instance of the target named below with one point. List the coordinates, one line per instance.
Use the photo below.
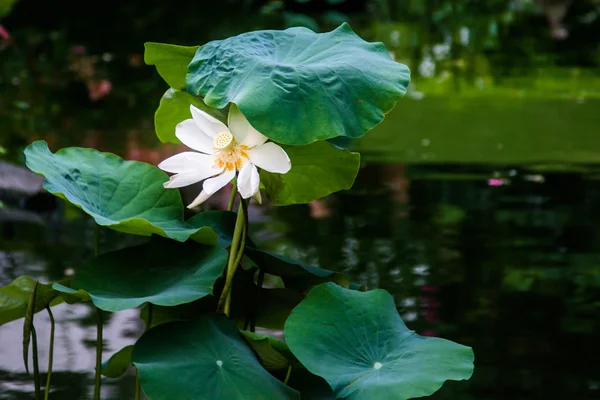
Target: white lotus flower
(221, 151)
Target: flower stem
(236, 252)
(287, 376)
(98, 377)
(50, 354)
(232, 195)
(36, 366)
(137, 384)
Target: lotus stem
(137, 384)
(287, 376)
(98, 377)
(36, 366)
(232, 195)
(235, 255)
(50, 353)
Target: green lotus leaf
(174, 107)
(70, 295)
(126, 196)
(170, 60)
(222, 222)
(297, 86)
(318, 170)
(204, 359)
(273, 353)
(118, 363)
(183, 312)
(161, 272)
(363, 349)
(296, 275)
(14, 298)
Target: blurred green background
(477, 205)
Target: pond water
(477, 206)
(504, 258)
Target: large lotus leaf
(362, 348)
(126, 196)
(174, 107)
(318, 170)
(170, 60)
(162, 272)
(295, 275)
(14, 298)
(204, 359)
(296, 86)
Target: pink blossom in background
(99, 88)
(495, 182)
(4, 33)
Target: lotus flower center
(377, 365)
(223, 141)
(229, 155)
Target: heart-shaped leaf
(14, 298)
(318, 170)
(170, 60)
(297, 86)
(126, 196)
(118, 363)
(174, 107)
(161, 272)
(362, 348)
(204, 359)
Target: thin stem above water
(50, 353)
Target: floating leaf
(14, 298)
(170, 60)
(363, 349)
(273, 353)
(296, 86)
(127, 196)
(118, 363)
(161, 272)
(204, 359)
(318, 170)
(174, 107)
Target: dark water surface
(503, 258)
